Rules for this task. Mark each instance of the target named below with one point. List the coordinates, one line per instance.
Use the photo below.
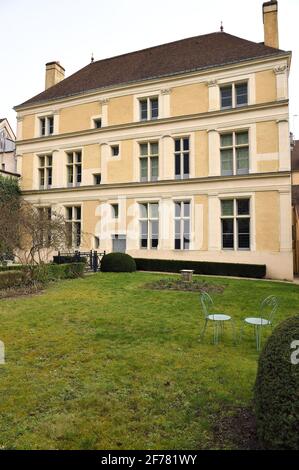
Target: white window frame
(182, 219)
(182, 152)
(149, 219)
(114, 211)
(234, 148)
(45, 170)
(47, 125)
(72, 222)
(235, 218)
(148, 100)
(75, 164)
(234, 95)
(148, 157)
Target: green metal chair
(218, 319)
(268, 309)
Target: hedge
(202, 267)
(69, 259)
(12, 279)
(118, 263)
(40, 273)
(277, 388)
(13, 267)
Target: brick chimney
(270, 16)
(54, 74)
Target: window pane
(186, 165)
(177, 244)
(226, 97)
(143, 109)
(143, 149)
(49, 178)
(154, 168)
(144, 234)
(154, 148)
(242, 138)
(78, 213)
(41, 161)
(241, 94)
(77, 234)
(50, 125)
(154, 210)
(227, 207)
(226, 140)
(242, 160)
(115, 211)
(49, 160)
(143, 169)
(177, 165)
(69, 213)
(177, 145)
(186, 209)
(70, 158)
(177, 229)
(186, 144)
(143, 211)
(154, 108)
(154, 234)
(243, 233)
(79, 173)
(70, 174)
(227, 162)
(78, 157)
(228, 233)
(177, 209)
(41, 177)
(43, 126)
(243, 206)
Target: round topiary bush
(118, 263)
(277, 388)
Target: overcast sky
(34, 32)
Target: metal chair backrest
(206, 303)
(269, 307)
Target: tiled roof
(196, 53)
(295, 156)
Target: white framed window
(182, 157)
(182, 225)
(97, 123)
(149, 161)
(45, 214)
(234, 153)
(45, 171)
(235, 224)
(234, 95)
(115, 211)
(73, 225)
(149, 225)
(149, 108)
(74, 168)
(46, 125)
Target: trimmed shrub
(277, 390)
(53, 272)
(17, 267)
(118, 263)
(69, 259)
(202, 267)
(12, 279)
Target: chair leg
(234, 331)
(201, 336)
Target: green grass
(102, 363)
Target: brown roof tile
(186, 55)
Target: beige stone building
(295, 202)
(179, 151)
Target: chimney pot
(54, 74)
(270, 17)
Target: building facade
(180, 151)
(295, 202)
(8, 162)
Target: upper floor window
(234, 152)
(182, 157)
(115, 211)
(149, 108)
(149, 225)
(182, 225)
(46, 125)
(74, 168)
(235, 222)
(45, 171)
(97, 122)
(73, 225)
(234, 95)
(115, 150)
(149, 161)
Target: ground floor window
(235, 223)
(73, 225)
(149, 225)
(182, 225)
(45, 215)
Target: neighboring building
(295, 201)
(179, 151)
(8, 163)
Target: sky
(34, 32)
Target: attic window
(46, 125)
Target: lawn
(105, 363)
